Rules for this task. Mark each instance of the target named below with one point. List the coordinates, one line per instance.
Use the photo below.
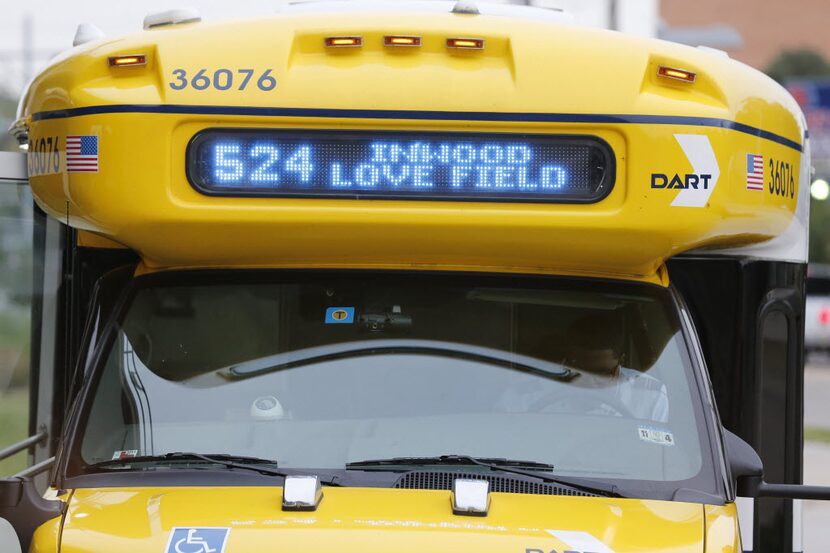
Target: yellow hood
(367, 520)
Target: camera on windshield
(390, 320)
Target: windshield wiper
(232, 461)
(365, 348)
(494, 464)
(450, 460)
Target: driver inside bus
(595, 349)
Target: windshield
(316, 371)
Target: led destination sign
(448, 166)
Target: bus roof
(552, 14)
(693, 150)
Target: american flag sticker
(754, 172)
(82, 153)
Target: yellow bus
(441, 276)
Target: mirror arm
(754, 486)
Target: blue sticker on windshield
(339, 315)
(197, 540)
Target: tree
(819, 231)
(798, 63)
(8, 107)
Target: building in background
(756, 32)
(752, 31)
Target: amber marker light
(400, 40)
(677, 74)
(344, 41)
(126, 61)
(466, 43)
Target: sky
(54, 23)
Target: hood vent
(442, 480)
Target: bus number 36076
(223, 79)
(781, 179)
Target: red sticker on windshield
(124, 454)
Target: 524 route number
(781, 179)
(223, 79)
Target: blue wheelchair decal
(197, 540)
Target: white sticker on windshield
(655, 435)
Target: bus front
(400, 281)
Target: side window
(31, 260)
(16, 300)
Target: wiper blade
(232, 461)
(498, 465)
(450, 460)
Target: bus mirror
(24, 509)
(748, 472)
(743, 460)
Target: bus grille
(438, 480)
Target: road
(817, 455)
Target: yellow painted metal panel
(629, 233)
(722, 533)
(369, 519)
(569, 80)
(47, 537)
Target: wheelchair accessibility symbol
(197, 540)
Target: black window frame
(777, 523)
(716, 493)
(604, 187)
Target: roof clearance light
(344, 41)
(466, 43)
(126, 61)
(676, 74)
(397, 40)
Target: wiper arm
(498, 465)
(232, 461)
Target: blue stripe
(424, 115)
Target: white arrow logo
(580, 541)
(699, 152)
